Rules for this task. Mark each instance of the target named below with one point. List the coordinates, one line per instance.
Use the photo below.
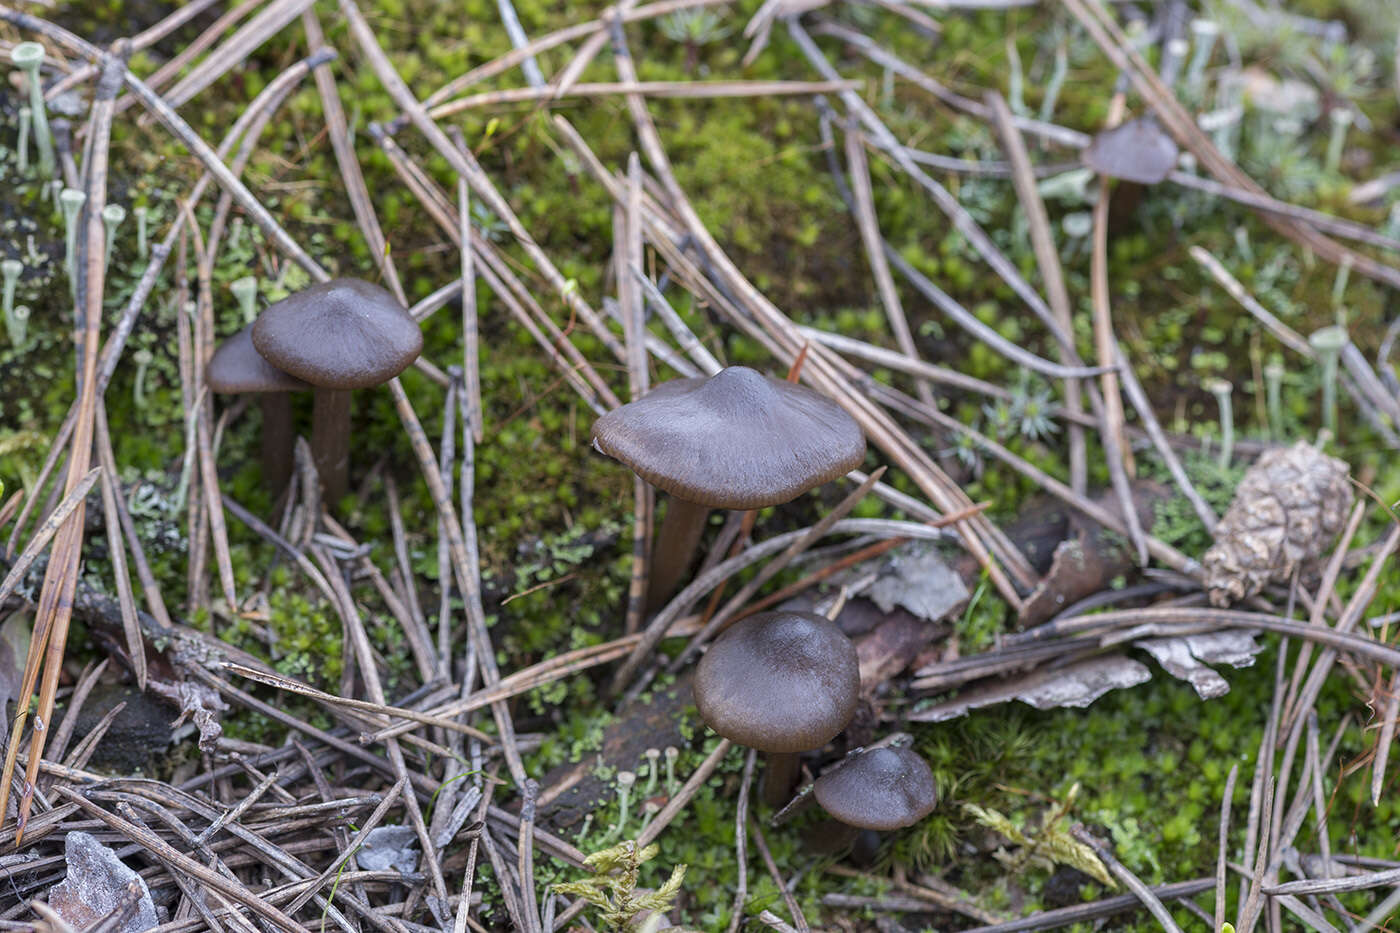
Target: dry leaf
(1185, 658)
(917, 577)
(98, 883)
(1077, 685)
(388, 848)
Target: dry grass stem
(869, 225)
(55, 606)
(1129, 880)
(1047, 258)
(1222, 845)
(685, 90)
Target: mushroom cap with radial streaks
(735, 440)
(341, 334)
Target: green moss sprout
(613, 887)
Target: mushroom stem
(676, 543)
(781, 771)
(330, 441)
(277, 434)
(830, 836)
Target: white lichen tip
(27, 55)
(1328, 339)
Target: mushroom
(735, 440)
(881, 789)
(341, 335)
(780, 682)
(235, 368)
(1138, 150)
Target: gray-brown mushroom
(735, 440)
(1138, 150)
(237, 368)
(341, 335)
(881, 789)
(780, 682)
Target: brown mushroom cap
(1138, 150)
(884, 789)
(341, 334)
(237, 367)
(779, 682)
(737, 440)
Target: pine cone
(1286, 511)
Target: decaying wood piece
(1090, 557)
(572, 791)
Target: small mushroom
(1138, 150)
(881, 789)
(780, 682)
(735, 440)
(236, 368)
(341, 335)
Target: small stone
(96, 884)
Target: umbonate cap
(735, 440)
(341, 334)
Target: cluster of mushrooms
(782, 683)
(329, 339)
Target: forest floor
(323, 657)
